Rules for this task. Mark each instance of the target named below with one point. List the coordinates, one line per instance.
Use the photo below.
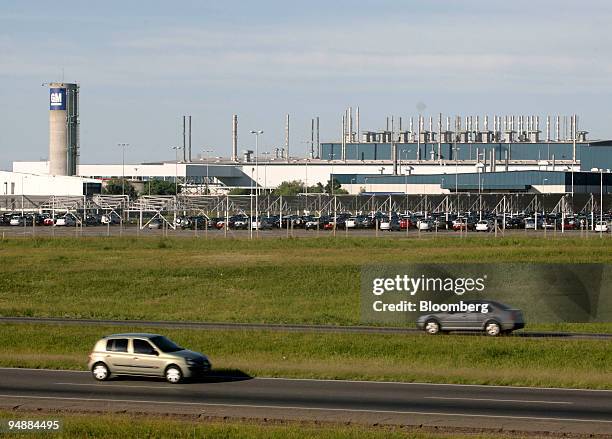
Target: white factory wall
(31, 167)
(133, 171)
(19, 183)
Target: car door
(117, 356)
(145, 359)
(456, 320)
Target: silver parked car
(499, 318)
(145, 354)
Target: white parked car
(351, 223)
(16, 221)
(483, 226)
(602, 226)
(260, 225)
(424, 225)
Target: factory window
(12, 188)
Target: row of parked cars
(66, 220)
(394, 221)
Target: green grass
(121, 426)
(310, 280)
(413, 358)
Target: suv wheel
(174, 375)
(432, 327)
(100, 372)
(492, 328)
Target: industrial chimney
(63, 128)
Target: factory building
(503, 153)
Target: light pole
(456, 150)
(600, 202)
(479, 167)
(176, 148)
(257, 133)
(206, 152)
(265, 183)
(123, 146)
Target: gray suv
(145, 354)
(499, 318)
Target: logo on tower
(57, 99)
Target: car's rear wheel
(492, 329)
(100, 371)
(432, 327)
(174, 374)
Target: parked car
(155, 223)
(499, 318)
(425, 225)
(483, 226)
(17, 221)
(389, 225)
(602, 226)
(145, 354)
(260, 224)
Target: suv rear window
(117, 345)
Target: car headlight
(191, 361)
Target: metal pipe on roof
(318, 141)
(358, 126)
(190, 138)
(184, 149)
(235, 137)
(558, 129)
(350, 124)
(287, 137)
(548, 128)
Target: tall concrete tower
(63, 128)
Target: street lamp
(123, 146)
(479, 167)
(456, 150)
(176, 148)
(206, 152)
(257, 133)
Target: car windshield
(165, 345)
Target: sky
(142, 65)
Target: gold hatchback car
(145, 354)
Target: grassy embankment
(418, 358)
(307, 280)
(278, 281)
(77, 426)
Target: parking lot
(390, 216)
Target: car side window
(143, 347)
(117, 345)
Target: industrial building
(501, 154)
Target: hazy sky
(143, 64)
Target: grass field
(417, 358)
(120, 426)
(311, 280)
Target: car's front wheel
(492, 329)
(100, 371)
(432, 327)
(174, 375)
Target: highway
(276, 327)
(426, 405)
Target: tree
(117, 186)
(337, 188)
(158, 186)
(289, 188)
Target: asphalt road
(276, 327)
(460, 406)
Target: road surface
(443, 405)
